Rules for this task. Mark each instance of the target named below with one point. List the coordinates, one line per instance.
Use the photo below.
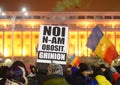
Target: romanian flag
(101, 45)
(74, 60)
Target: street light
(13, 18)
(2, 13)
(24, 10)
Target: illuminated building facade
(27, 29)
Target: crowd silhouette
(83, 74)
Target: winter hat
(55, 69)
(83, 67)
(102, 66)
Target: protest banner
(53, 44)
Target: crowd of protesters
(83, 74)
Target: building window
(107, 17)
(8, 17)
(36, 17)
(90, 17)
(116, 17)
(98, 17)
(43, 17)
(19, 17)
(27, 17)
(81, 17)
(2, 17)
(72, 17)
(18, 26)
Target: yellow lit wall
(7, 44)
(35, 37)
(27, 44)
(1, 43)
(73, 43)
(82, 37)
(26, 41)
(118, 41)
(18, 43)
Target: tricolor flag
(101, 45)
(74, 60)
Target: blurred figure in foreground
(100, 78)
(55, 75)
(15, 76)
(81, 76)
(20, 69)
(107, 72)
(3, 72)
(33, 79)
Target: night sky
(50, 5)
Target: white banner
(53, 44)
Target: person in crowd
(20, 63)
(100, 78)
(3, 72)
(107, 72)
(118, 81)
(81, 76)
(115, 74)
(55, 75)
(15, 76)
(33, 79)
(41, 75)
(68, 74)
(117, 68)
(93, 81)
(33, 71)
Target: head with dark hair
(103, 66)
(83, 67)
(16, 74)
(97, 71)
(33, 69)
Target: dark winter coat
(79, 79)
(108, 75)
(118, 81)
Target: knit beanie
(102, 66)
(55, 69)
(83, 67)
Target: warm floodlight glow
(3, 14)
(24, 9)
(26, 14)
(6, 52)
